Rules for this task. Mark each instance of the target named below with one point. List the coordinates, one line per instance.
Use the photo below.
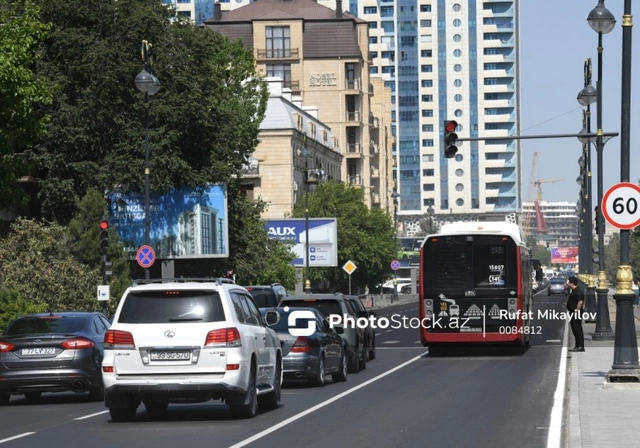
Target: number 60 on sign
(621, 205)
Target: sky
(555, 41)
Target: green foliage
(12, 305)
(364, 236)
(21, 91)
(541, 253)
(83, 232)
(256, 258)
(35, 261)
(611, 259)
(203, 123)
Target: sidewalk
(601, 414)
(377, 301)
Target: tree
(36, 262)
(365, 236)
(203, 123)
(21, 91)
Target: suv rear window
(264, 298)
(157, 307)
(45, 324)
(326, 307)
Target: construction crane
(527, 218)
(541, 225)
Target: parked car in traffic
(52, 352)
(338, 306)
(557, 285)
(267, 296)
(312, 356)
(190, 341)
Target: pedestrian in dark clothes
(575, 304)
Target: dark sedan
(557, 285)
(310, 356)
(52, 352)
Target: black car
(267, 296)
(310, 356)
(52, 352)
(370, 334)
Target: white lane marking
(378, 334)
(555, 427)
(84, 417)
(553, 340)
(24, 434)
(323, 404)
(391, 342)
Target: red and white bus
(475, 287)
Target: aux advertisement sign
(184, 222)
(323, 239)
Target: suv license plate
(170, 355)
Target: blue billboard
(184, 223)
(323, 239)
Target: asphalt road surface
(403, 398)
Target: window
(388, 40)
(427, 143)
(370, 9)
(459, 187)
(457, 22)
(427, 158)
(185, 14)
(428, 68)
(459, 172)
(457, 7)
(427, 128)
(426, 53)
(425, 24)
(280, 71)
(278, 41)
(387, 26)
(427, 98)
(373, 25)
(426, 38)
(427, 83)
(457, 38)
(429, 172)
(425, 8)
(457, 68)
(373, 70)
(373, 40)
(388, 55)
(457, 53)
(373, 54)
(457, 98)
(386, 11)
(427, 113)
(428, 187)
(457, 83)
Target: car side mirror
(271, 318)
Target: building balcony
(249, 174)
(293, 85)
(277, 53)
(355, 180)
(353, 116)
(375, 198)
(352, 84)
(375, 173)
(374, 147)
(374, 122)
(354, 148)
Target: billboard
(323, 239)
(184, 223)
(564, 255)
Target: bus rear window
(470, 262)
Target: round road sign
(145, 256)
(395, 265)
(621, 205)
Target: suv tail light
(6, 347)
(226, 337)
(77, 343)
(119, 338)
(301, 345)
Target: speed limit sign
(621, 205)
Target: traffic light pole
(528, 137)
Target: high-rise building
(449, 60)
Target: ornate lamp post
(625, 360)
(149, 85)
(306, 155)
(602, 22)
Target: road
(403, 398)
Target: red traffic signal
(450, 138)
(104, 225)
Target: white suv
(189, 341)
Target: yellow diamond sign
(349, 267)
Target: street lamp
(306, 155)
(395, 196)
(587, 96)
(602, 22)
(149, 85)
(625, 359)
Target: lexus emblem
(169, 334)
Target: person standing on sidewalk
(575, 304)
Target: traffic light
(450, 138)
(104, 246)
(596, 214)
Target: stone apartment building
(322, 57)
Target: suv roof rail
(219, 281)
